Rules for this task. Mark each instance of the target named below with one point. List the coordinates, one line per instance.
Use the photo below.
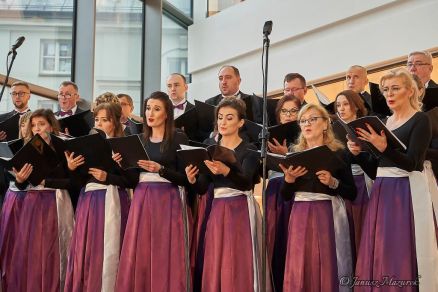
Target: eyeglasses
(416, 64)
(387, 90)
(311, 121)
(291, 112)
(19, 94)
(295, 89)
(66, 95)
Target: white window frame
(57, 57)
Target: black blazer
(253, 105)
(432, 84)
(5, 116)
(189, 106)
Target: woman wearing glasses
(318, 248)
(398, 239)
(278, 210)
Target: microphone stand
(8, 70)
(264, 137)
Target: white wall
(315, 38)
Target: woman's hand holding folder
(291, 174)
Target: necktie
(179, 106)
(67, 113)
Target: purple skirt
(228, 258)
(37, 252)
(359, 208)
(153, 252)
(197, 249)
(387, 247)
(311, 263)
(277, 217)
(85, 261)
(9, 221)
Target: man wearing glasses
(420, 64)
(20, 94)
(68, 97)
(295, 84)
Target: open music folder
(196, 156)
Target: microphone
(17, 44)
(267, 28)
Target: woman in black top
(398, 239)
(232, 256)
(101, 214)
(45, 221)
(319, 248)
(155, 249)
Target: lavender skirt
(387, 248)
(228, 258)
(277, 217)
(311, 263)
(153, 252)
(37, 253)
(86, 255)
(9, 221)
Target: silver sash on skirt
(65, 215)
(155, 177)
(344, 256)
(425, 239)
(111, 234)
(433, 187)
(255, 221)
(357, 170)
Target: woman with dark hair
(155, 249)
(318, 247)
(278, 210)
(101, 214)
(232, 239)
(286, 111)
(350, 106)
(398, 237)
(45, 221)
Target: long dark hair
(48, 115)
(356, 102)
(169, 125)
(114, 113)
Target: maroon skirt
(86, 255)
(9, 232)
(311, 263)
(387, 247)
(228, 258)
(37, 253)
(153, 253)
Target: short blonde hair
(329, 137)
(408, 81)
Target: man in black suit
(68, 96)
(420, 64)
(295, 84)
(127, 105)
(20, 94)
(177, 89)
(229, 85)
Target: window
(56, 57)
(215, 6)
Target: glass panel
(174, 50)
(42, 23)
(184, 5)
(118, 48)
(215, 6)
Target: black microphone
(17, 44)
(267, 28)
